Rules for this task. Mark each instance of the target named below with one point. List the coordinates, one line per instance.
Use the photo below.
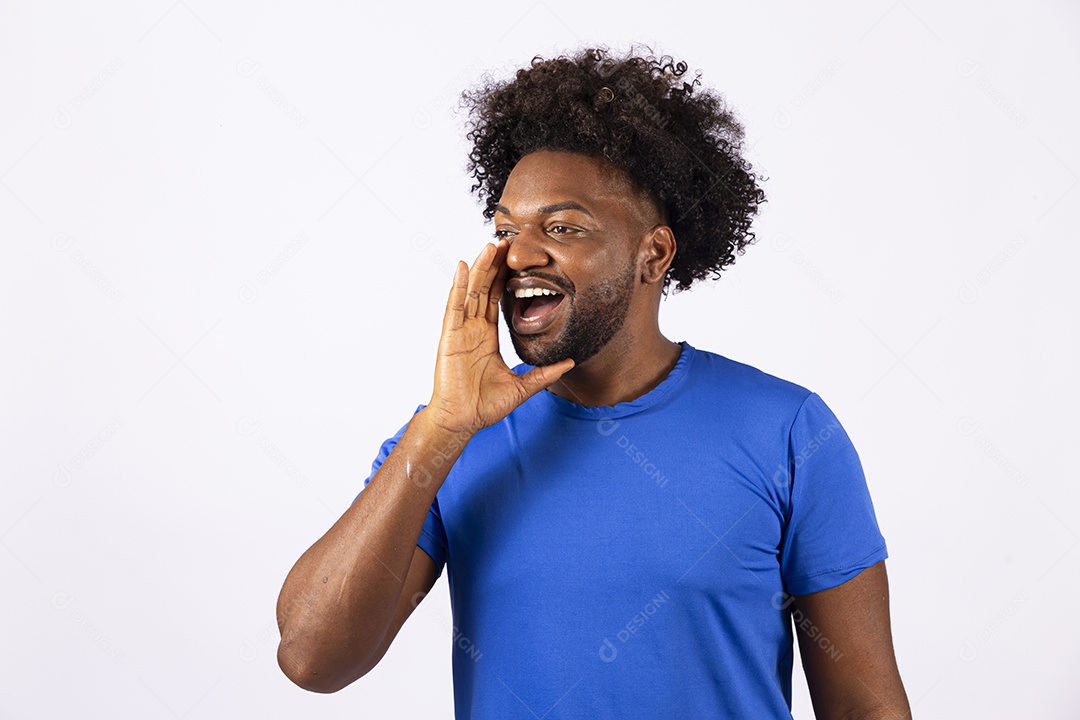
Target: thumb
(539, 378)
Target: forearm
(898, 711)
(338, 600)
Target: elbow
(309, 670)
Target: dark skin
(861, 680)
(587, 244)
(576, 219)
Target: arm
(846, 645)
(345, 599)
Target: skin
(860, 678)
(615, 238)
(577, 223)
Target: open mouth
(535, 309)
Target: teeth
(530, 292)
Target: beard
(593, 316)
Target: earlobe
(658, 250)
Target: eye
(560, 229)
(503, 234)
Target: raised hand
(474, 388)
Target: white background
(228, 233)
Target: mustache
(566, 286)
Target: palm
(474, 388)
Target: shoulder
(749, 387)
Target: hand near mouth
(474, 388)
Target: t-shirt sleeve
(432, 538)
(832, 532)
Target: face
(574, 226)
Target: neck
(625, 369)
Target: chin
(549, 352)
(537, 350)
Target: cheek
(590, 265)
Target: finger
(454, 316)
(539, 378)
(487, 272)
(477, 287)
(498, 283)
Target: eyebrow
(548, 209)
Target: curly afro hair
(677, 143)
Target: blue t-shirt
(631, 561)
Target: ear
(656, 252)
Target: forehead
(546, 177)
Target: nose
(527, 250)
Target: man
(631, 525)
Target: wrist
(440, 435)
